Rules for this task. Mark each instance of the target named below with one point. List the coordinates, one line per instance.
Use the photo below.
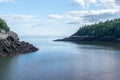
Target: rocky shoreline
(12, 46)
(91, 38)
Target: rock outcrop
(12, 46)
(13, 34)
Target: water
(63, 61)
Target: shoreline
(110, 39)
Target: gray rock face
(13, 34)
(12, 46)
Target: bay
(63, 61)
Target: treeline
(108, 28)
(3, 25)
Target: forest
(107, 28)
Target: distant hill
(108, 28)
(3, 26)
(108, 31)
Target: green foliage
(108, 28)
(3, 25)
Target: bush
(3, 25)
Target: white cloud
(100, 3)
(89, 16)
(6, 1)
(17, 18)
(55, 16)
(109, 4)
(84, 3)
(79, 14)
(20, 19)
(106, 9)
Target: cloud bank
(17, 17)
(21, 19)
(92, 11)
(7, 1)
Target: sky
(56, 17)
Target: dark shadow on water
(5, 63)
(109, 45)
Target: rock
(13, 34)
(78, 38)
(91, 38)
(12, 46)
(108, 38)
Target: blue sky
(56, 17)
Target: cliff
(12, 46)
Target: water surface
(63, 61)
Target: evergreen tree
(107, 28)
(3, 25)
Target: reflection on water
(63, 61)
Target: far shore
(91, 39)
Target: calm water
(63, 61)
